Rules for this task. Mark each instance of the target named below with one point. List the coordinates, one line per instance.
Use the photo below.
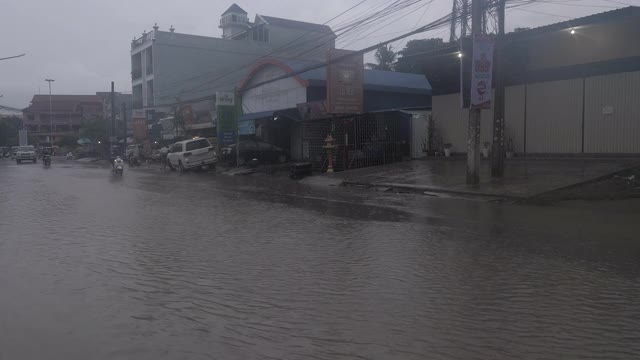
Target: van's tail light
(187, 154)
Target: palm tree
(385, 57)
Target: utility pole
(113, 117)
(473, 135)
(50, 112)
(497, 161)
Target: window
(234, 18)
(176, 148)
(261, 33)
(198, 144)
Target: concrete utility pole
(113, 117)
(50, 112)
(497, 160)
(473, 135)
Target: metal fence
(361, 141)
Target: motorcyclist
(117, 160)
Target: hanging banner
(482, 70)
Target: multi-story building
(49, 122)
(168, 67)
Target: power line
(13, 57)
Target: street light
(50, 112)
(572, 31)
(459, 54)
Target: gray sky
(84, 44)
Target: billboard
(345, 78)
(139, 124)
(481, 71)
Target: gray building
(572, 89)
(169, 67)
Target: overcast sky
(85, 44)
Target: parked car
(254, 149)
(189, 154)
(25, 153)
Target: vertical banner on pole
(482, 70)
(227, 121)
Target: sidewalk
(523, 178)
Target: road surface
(208, 266)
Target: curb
(422, 188)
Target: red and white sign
(482, 70)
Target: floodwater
(206, 266)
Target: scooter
(118, 166)
(46, 160)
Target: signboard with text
(227, 125)
(345, 78)
(481, 71)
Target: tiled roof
(293, 24)
(234, 9)
(63, 103)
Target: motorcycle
(46, 160)
(118, 166)
(70, 156)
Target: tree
(68, 141)
(385, 57)
(414, 54)
(9, 130)
(94, 129)
(179, 124)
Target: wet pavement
(207, 266)
(524, 178)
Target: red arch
(258, 65)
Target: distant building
(64, 118)
(168, 67)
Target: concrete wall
(298, 43)
(549, 117)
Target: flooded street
(207, 266)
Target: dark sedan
(253, 149)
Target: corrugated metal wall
(612, 114)
(554, 117)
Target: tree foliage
(68, 141)
(434, 58)
(9, 130)
(94, 129)
(385, 57)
